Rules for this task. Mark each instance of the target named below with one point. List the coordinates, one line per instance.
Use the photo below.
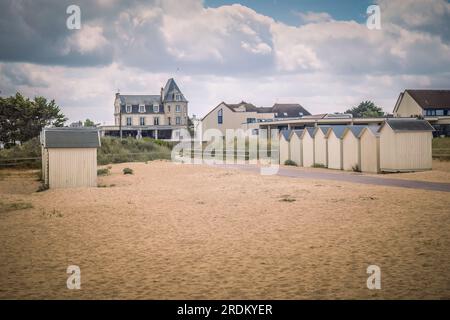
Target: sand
(196, 232)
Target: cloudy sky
(318, 53)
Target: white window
(156, 121)
(128, 121)
(220, 116)
(141, 108)
(178, 120)
(177, 108)
(128, 108)
(155, 108)
(142, 121)
(177, 97)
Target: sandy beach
(196, 232)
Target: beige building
(369, 140)
(69, 157)
(156, 116)
(244, 115)
(295, 143)
(405, 145)
(320, 146)
(433, 105)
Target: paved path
(350, 177)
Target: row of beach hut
(395, 146)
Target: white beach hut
(284, 145)
(69, 157)
(369, 140)
(307, 138)
(350, 148)
(405, 145)
(295, 143)
(320, 146)
(335, 147)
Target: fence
(20, 162)
(441, 153)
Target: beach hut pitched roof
(286, 134)
(324, 129)
(356, 130)
(372, 129)
(338, 131)
(408, 125)
(310, 130)
(70, 138)
(298, 133)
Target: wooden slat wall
(406, 151)
(370, 153)
(72, 167)
(350, 151)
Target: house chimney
(162, 89)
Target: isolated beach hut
(307, 144)
(284, 145)
(334, 138)
(295, 143)
(405, 145)
(369, 140)
(320, 146)
(69, 157)
(350, 148)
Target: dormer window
(141, 108)
(155, 108)
(178, 97)
(128, 108)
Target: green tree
(89, 123)
(366, 109)
(22, 119)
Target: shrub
(290, 163)
(356, 168)
(103, 172)
(127, 171)
(42, 187)
(318, 165)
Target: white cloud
(88, 39)
(314, 17)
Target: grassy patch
(7, 207)
(441, 148)
(103, 172)
(114, 150)
(127, 171)
(287, 198)
(290, 163)
(318, 165)
(29, 149)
